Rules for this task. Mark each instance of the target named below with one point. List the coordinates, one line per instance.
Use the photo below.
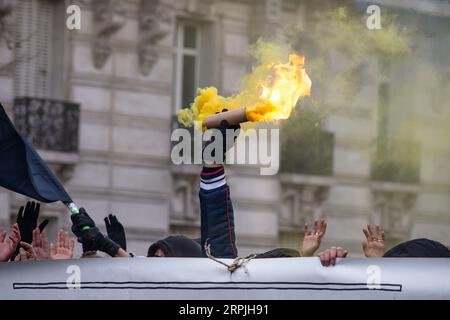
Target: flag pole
(73, 208)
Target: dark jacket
(217, 216)
(418, 248)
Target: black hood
(419, 248)
(279, 253)
(176, 246)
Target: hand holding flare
(280, 87)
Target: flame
(271, 92)
(279, 99)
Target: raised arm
(92, 239)
(311, 239)
(217, 215)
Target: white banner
(201, 278)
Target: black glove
(94, 240)
(227, 143)
(27, 220)
(116, 231)
(80, 221)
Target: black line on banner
(229, 286)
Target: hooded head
(419, 248)
(175, 246)
(279, 253)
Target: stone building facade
(134, 63)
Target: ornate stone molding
(302, 204)
(185, 205)
(61, 164)
(200, 8)
(153, 21)
(266, 17)
(302, 199)
(393, 210)
(185, 202)
(6, 29)
(108, 18)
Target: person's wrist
(123, 254)
(88, 254)
(108, 246)
(307, 249)
(370, 254)
(307, 253)
(375, 255)
(212, 165)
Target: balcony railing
(309, 154)
(397, 161)
(50, 125)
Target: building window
(32, 43)
(383, 115)
(187, 63)
(397, 154)
(39, 49)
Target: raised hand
(91, 238)
(115, 231)
(27, 220)
(40, 244)
(328, 257)
(312, 239)
(374, 245)
(26, 252)
(229, 135)
(63, 248)
(9, 243)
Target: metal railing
(310, 154)
(396, 161)
(48, 124)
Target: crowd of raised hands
(373, 246)
(11, 246)
(40, 250)
(28, 241)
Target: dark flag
(22, 170)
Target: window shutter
(33, 48)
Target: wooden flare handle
(233, 117)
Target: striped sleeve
(212, 178)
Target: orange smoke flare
(272, 98)
(279, 98)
